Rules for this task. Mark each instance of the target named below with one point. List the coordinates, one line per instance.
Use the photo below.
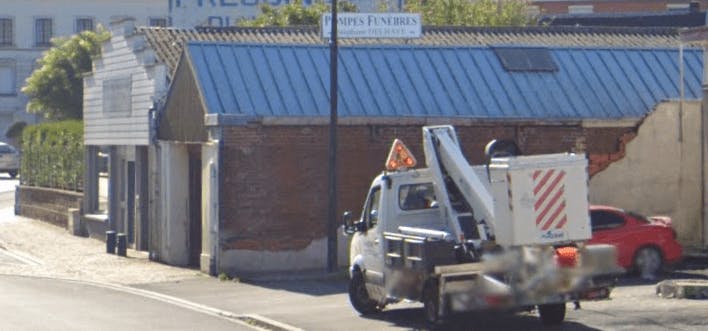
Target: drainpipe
(681, 94)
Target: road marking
(253, 321)
(21, 257)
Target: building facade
(26, 30)
(249, 122)
(200, 188)
(552, 7)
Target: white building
(221, 13)
(27, 26)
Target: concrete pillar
(141, 198)
(114, 197)
(210, 208)
(90, 179)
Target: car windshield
(6, 149)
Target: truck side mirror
(349, 227)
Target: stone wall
(49, 205)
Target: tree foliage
(55, 89)
(295, 14)
(470, 12)
(434, 12)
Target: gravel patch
(56, 253)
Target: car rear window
(604, 220)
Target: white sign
(367, 25)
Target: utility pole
(332, 210)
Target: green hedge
(53, 155)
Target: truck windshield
(416, 196)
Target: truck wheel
(359, 296)
(12, 174)
(431, 302)
(552, 314)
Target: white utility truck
(506, 235)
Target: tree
(470, 12)
(55, 89)
(294, 14)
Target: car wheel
(12, 174)
(552, 314)
(648, 262)
(359, 296)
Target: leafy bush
(53, 155)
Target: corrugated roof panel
(414, 81)
(467, 97)
(693, 75)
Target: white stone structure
(26, 27)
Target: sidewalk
(46, 250)
(34, 248)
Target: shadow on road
(634, 280)
(310, 287)
(412, 318)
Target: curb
(683, 289)
(256, 322)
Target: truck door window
(416, 196)
(371, 214)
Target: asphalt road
(49, 304)
(323, 305)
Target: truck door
(372, 245)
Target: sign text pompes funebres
(370, 25)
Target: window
(533, 10)
(416, 196)
(605, 220)
(84, 24)
(533, 59)
(7, 77)
(156, 21)
(43, 32)
(6, 32)
(371, 213)
(677, 7)
(580, 9)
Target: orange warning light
(400, 158)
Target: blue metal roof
(454, 82)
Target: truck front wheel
(431, 302)
(552, 314)
(359, 296)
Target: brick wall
(274, 178)
(49, 205)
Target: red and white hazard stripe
(549, 191)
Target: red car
(644, 244)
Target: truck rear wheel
(552, 314)
(359, 296)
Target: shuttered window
(7, 37)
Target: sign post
(353, 25)
(332, 172)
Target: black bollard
(110, 242)
(122, 244)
